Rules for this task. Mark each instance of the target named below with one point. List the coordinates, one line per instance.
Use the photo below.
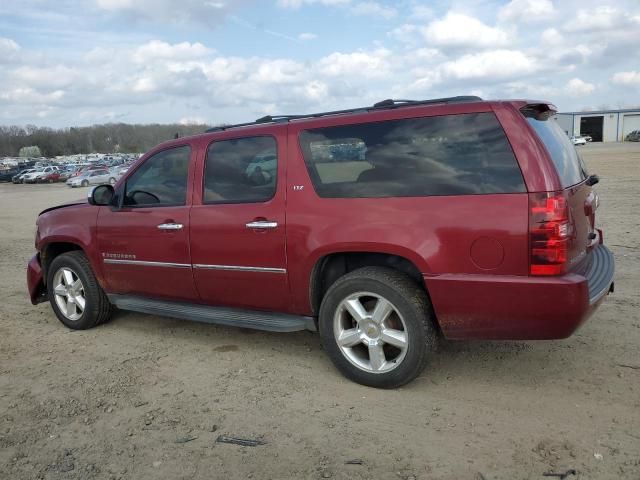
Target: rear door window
(444, 155)
(241, 170)
(568, 163)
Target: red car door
(238, 222)
(144, 244)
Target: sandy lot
(145, 397)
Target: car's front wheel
(377, 326)
(74, 293)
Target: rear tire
(377, 326)
(74, 293)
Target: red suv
(380, 227)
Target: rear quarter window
(444, 155)
(568, 163)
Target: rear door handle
(262, 224)
(170, 226)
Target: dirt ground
(145, 397)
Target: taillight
(550, 229)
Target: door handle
(262, 224)
(170, 226)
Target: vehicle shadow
(471, 362)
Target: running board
(233, 317)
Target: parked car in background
(18, 177)
(50, 177)
(92, 177)
(578, 140)
(40, 174)
(7, 175)
(588, 138)
(384, 229)
(87, 168)
(633, 136)
(119, 171)
(67, 172)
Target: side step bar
(233, 317)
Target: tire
(411, 314)
(97, 308)
(85, 183)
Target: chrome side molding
(238, 268)
(200, 266)
(145, 263)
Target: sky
(82, 62)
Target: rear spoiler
(539, 111)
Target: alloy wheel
(370, 332)
(69, 293)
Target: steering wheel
(140, 197)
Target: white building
(602, 126)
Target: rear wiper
(592, 180)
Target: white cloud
(171, 11)
(407, 33)
(460, 30)
(306, 36)
(551, 36)
(362, 64)
(374, 9)
(8, 50)
(300, 3)
(192, 121)
(526, 11)
(159, 50)
(579, 88)
(600, 19)
(490, 65)
(421, 12)
(631, 78)
(425, 52)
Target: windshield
(569, 164)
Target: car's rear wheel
(74, 293)
(377, 327)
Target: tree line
(108, 138)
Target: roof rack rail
(384, 104)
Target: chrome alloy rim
(69, 293)
(370, 332)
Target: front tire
(377, 326)
(85, 183)
(74, 293)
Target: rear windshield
(569, 165)
(444, 155)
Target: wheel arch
(53, 249)
(331, 266)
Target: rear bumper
(520, 308)
(35, 282)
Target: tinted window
(241, 170)
(161, 180)
(445, 155)
(569, 165)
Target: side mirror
(101, 195)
